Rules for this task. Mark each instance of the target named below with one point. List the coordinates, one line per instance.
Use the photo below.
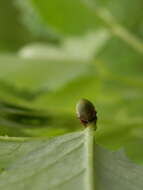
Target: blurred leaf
(60, 15)
(34, 24)
(50, 69)
(125, 12)
(115, 171)
(63, 163)
(16, 120)
(75, 48)
(44, 75)
(118, 17)
(12, 34)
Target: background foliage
(55, 52)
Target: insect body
(86, 112)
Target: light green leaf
(65, 162)
(115, 171)
(83, 48)
(38, 75)
(59, 163)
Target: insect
(86, 112)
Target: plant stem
(119, 30)
(116, 28)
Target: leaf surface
(62, 163)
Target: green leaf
(118, 17)
(83, 48)
(65, 162)
(43, 69)
(115, 171)
(106, 69)
(37, 75)
(36, 26)
(57, 163)
(18, 121)
(12, 34)
(86, 16)
(59, 16)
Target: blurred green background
(52, 53)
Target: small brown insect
(86, 112)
